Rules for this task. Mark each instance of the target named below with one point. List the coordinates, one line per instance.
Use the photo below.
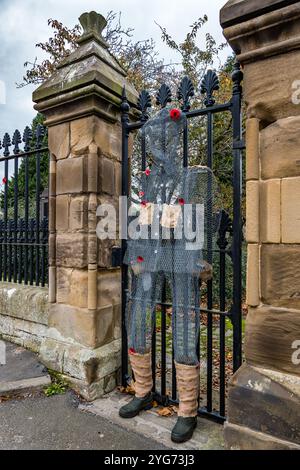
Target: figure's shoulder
(199, 169)
(198, 173)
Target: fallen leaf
(166, 411)
(175, 408)
(128, 389)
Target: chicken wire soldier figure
(167, 241)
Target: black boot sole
(127, 415)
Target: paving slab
(22, 372)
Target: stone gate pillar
(264, 397)
(81, 103)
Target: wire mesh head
(163, 138)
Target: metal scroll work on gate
(187, 242)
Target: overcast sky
(24, 23)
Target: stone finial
(93, 24)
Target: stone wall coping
(267, 35)
(25, 302)
(237, 11)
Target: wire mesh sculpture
(171, 237)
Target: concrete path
(56, 423)
(30, 420)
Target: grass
(58, 385)
(203, 332)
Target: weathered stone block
(107, 176)
(25, 302)
(78, 212)
(238, 11)
(59, 140)
(52, 214)
(252, 211)
(104, 326)
(279, 147)
(78, 288)
(62, 212)
(82, 134)
(77, 324)
(89, 328)
(270, 335)
(109, 288)
(52, 249)
(117, 321)
(242, 438)
(280, 274)
(71, 176)
(270, 202)
(266, 401)
(90, 129)
(93, 248)
(23, 332)
(91, 372)
(252, 149)
(63, 278)
(71, 250)
(52, 284)
(92, 365)
(105, 253)
(108, 137)
(52, 176)
(290, 210)
(93, 175)
(52, 353)
(267, 99)
(253, 275)
(92, 287)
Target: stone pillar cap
(238, 11)
(89, 72)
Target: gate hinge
(239, 145)
(116, 256)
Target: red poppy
(4, 180)
(175, 114)
(144, 203)
(140, 259)
(141, 193)
(181, 201)
(132, 351)
(147, 172)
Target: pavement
(31, 420)
(207, 436)
(56, 423)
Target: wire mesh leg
(141, 311)
(186, 324)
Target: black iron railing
(24, 207)
(218, 316)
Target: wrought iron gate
(225, 314)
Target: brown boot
(141, 366)
(188, 389)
